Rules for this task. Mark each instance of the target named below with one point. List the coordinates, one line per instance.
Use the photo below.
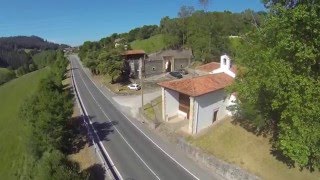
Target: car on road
(134, 87)
(176, 74)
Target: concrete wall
(154, 67)
(180, 64)
(171, 106)
(206, 105)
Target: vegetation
(14, 132)
(153, 44)
(278, 85)
(16, 52)
(236, 145)
(6, 75)
(206, 33)
(46, 114)
(44, 58)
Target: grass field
(234, 144)
(153, 44)
(13, 132)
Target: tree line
(206, 33)
(278, 83)
(47, 114)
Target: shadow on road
(104, 129)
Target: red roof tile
(199, 85)
(133, 52)
(209, 67)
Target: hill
(13, 132)
(152, 44)
(27, 42)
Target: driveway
(133, 103)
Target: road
(135, 151)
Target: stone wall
(154, 67)
(226, 170)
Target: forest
(22, 54)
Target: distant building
(167, 61)
(202, 101)
(135, 60)
(157, 63)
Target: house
(167, 61)
(202, 100)
(135, 60)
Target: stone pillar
(191, 116)
(164, 113)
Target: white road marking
(103, 148)
(143, 132)
(125, 140)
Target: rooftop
(209, 67)
(199, 85)
(134, 52)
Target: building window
(215, 114)
(224, 61)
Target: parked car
(134, 87)
(176, 74)
(183, 71)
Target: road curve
(134, 153)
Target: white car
(134, 87)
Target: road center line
(173, 159)
(118, 130)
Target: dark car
(183, 71)
(176, 74)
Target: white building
(202, 101)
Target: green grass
(153, 44)
(153, 110)
(13, 132)
(6, 75)
(234, 144)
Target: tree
(185, 12)
(205, 4)
(278, 84)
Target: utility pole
(141, 82)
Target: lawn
(13, 132)
(153, 110)
(153, 44)
(234, 144)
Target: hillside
(153, 44)
(27, 42)
(13, 132)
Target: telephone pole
(141, 82)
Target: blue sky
(75, 21)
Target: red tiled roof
(133, 52)
(234, 69)
(209, 67)
(199, 85)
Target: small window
(181, 66)
(153, 68)
(225, 61)
(215, 113)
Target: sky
(75, 21)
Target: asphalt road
(134, 153)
